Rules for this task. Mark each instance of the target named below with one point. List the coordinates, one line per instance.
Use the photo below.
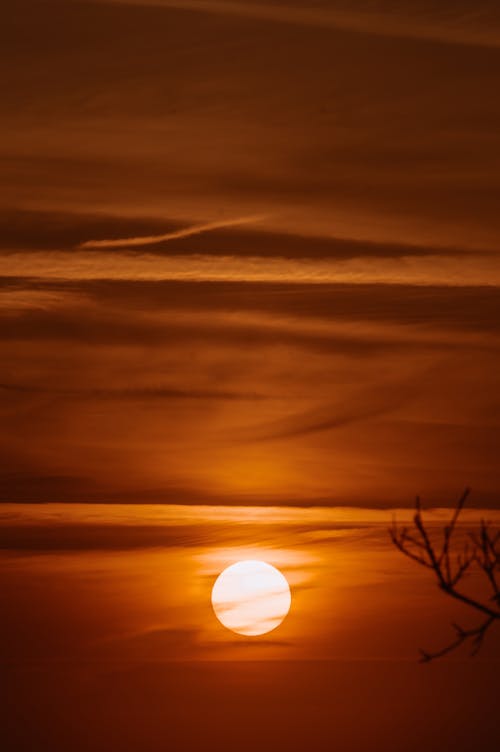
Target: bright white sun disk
(251, 597)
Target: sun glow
(251, 597)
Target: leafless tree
(481, 549)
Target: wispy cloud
(176, 235)
(366, 405)
(458, 271)
(145, 393)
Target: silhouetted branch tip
(450, 571)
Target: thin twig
(485, 554)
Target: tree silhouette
(480, 550)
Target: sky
(108, 639)
(249, 252)
(132, 584)
(249, 308)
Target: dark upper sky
(249, 251)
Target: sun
(251, 597)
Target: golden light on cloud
(251, 597)
(186, 232)
(445, 269)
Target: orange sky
(249, 251)
(249, 307)
(107, 626)
(132, 583)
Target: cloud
(30, 230)
(145, 393)
(96, 326)
(95, 537)
(362, 407)
(96, 527)
(438, 307)
(53, 535)
(151, 644)
(187, 232)
(460, 271)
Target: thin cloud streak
(455, 271)
(367, 405)
(176, 235)
(146, 393)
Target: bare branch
(449, 571)
(476, 637)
